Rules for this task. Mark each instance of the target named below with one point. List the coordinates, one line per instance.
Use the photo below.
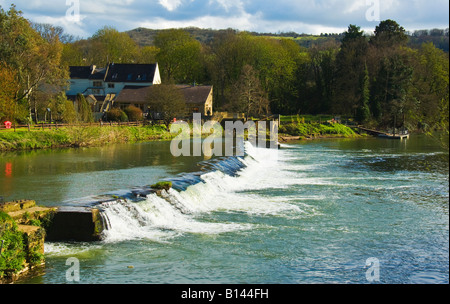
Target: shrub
(116, 115)
(162, 186)
(13, 253)
(134, 113)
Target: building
(90, 80)
(102, 85)
(199, 99)
(122, 85)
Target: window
(98, 84)
(111, 85)
(130, 76)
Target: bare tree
(247, 95)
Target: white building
(102, 85)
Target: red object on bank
(8, 124)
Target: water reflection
(8, 169)
(53, 176)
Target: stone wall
(22, 236)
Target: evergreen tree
(363, 111)
(84, 109)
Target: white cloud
(170, 5)
(230, 4)
(303, 16)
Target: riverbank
(94, 136)
(74, 137)
(301, 131)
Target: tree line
(377, 79)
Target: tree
(8, 90)
(229, 53)
(61, 108)
(34, 57)
(179, 56)
(391, 69)
(363, 110)
(248, 95)
(109, 45)
(167, 102)
(84, 109)
(388, 34)
(323, 67)
(430, 88)
(351, 70)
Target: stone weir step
(83, 220)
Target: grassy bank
(79, 137)
(97, 136)
(308, 130)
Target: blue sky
(302, 16)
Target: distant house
(122, 85)
(199, 99)
(133, 96)
(102, 85)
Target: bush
(134, 113)
(162, 186)
(13, 253)
(116, 115)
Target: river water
(312, 212)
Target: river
(323, 211)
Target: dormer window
(130, 76)
(115, 76)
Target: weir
(91, 219)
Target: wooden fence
(47, 126)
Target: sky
(82, 18)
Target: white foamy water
(161, 218)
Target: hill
(145, 37)
(440, 38)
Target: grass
(305, 118)
(316, 129)
(79, 137)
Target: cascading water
(214, 189)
